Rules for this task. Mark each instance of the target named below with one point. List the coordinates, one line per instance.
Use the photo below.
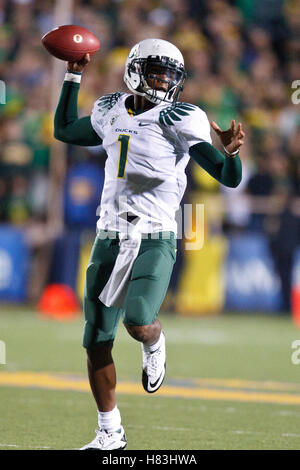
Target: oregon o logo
(77, 38)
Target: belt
(164, 235)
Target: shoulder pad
(172, 114)
(107, 102)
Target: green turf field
(230, 384)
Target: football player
(149, 137)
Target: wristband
(74, 77)
(231, 154)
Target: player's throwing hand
(233, 138)
(78, 66)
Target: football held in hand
(70, 42)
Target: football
(70, 42)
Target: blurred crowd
(242, 59)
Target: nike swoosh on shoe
(147, 384)
(156, 382)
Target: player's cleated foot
(107, 441)
(154, 367)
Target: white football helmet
(152, 57)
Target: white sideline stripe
(239, 431)
(9, 445)
(27, 447)
(205, 430)
(286, 413)
(168, 428)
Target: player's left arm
(227, 168)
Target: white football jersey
(146, 159)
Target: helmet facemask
(152, 69)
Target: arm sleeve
(67, 127)
(226, 170)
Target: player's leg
(99, 333)
(148, 286)
(102, 376)
(153, 353)
(146, 334)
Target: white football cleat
(154, 367)
(107, 441)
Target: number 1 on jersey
(124, 144)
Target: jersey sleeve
(101, 108)
(97, 119)
(191, 123)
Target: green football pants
(147, 288)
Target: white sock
(155, 346)
(109, 420)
